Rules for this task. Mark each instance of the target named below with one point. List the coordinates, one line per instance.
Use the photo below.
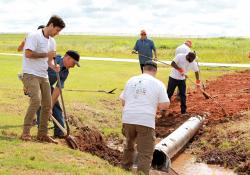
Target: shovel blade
(71, 142)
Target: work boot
(25, 137)
(46, 138)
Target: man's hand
(155, 59)
(134, 52)
(181, 71)
(56, 68)
(198, 83)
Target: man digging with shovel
(39, 51)
(70, 59)
(181, 64)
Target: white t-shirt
(38, 43)
(142, 94)
(184, 49)
(182, 62)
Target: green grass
(17, 157)
(228, 50)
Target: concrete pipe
(168, 147)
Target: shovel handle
(59, 125)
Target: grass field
(228, 50)
(98, 110)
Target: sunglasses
(143, 34)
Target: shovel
(70, 139)
(84, 90)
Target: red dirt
(231, 91)
(92, 141)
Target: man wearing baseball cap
(144, 48)
(70, 59)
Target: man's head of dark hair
(56, 21)
(150, 66)
(191, 57)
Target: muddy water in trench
(185, 164)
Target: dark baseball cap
(74, 54)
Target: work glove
(181, 71)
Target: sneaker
(25, 137)
(46, 138)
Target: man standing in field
(70, 59)
(181, 64)
(141, 97)
(144, 47)
(184, 48)
(39, 51)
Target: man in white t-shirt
(181, 64)
(141, 97)
(39, 51)
(184, 48)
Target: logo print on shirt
(139, 89)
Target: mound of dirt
(92, 141)
(228, 158)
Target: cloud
(161, 17)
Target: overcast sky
(158, 17)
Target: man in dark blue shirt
(70, 59)
(144, 46)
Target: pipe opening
(159, 160)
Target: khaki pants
(38, 89)
(145, 139)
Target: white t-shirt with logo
(184, 49)
(142, 94)
(38, 43)
(182, 62)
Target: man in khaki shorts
(141, 98)
(39, 51)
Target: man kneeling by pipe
(181, 64)
(70, 59)
(141, 97)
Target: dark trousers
(181, 84)
(142, 65)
